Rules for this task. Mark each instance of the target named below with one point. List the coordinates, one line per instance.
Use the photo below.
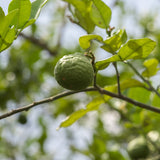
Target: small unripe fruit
(138, 148)
(74, 72)
(22, 119)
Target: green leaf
(80, 5)
(115, 154)
(2, 15)
(6, 23)
(82, 9)
(84, 41)
(85, 21)
(139, 94)
(9, 38)
(112, 44)
(156, 101)
(129, 83)
(126, 84)
(2, 18)
(100, 14)
(93, 105)
(73, 118)
(36, 8)
(31, 21)
(136, 49)
(23, 14)
(151, 67)
(7, 33)
(100, 65)
(133, 49)
(19, 12)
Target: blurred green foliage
(27, 76)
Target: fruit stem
(118, 77)
(91, 55)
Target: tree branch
(46, 100)
(118, 77)
(64, 94)
(132, 101)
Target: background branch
(151, 88)
(39, 43)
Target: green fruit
(22, 119)
(74, 72)
(138, 148)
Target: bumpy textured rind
(74, 72)
(137, 148)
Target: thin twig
(118, 77)
(146, 81)
(132, 101)
(64, 94)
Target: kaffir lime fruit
(138, 148)
(74, 72)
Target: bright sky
(4, 4)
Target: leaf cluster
(20, 15)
